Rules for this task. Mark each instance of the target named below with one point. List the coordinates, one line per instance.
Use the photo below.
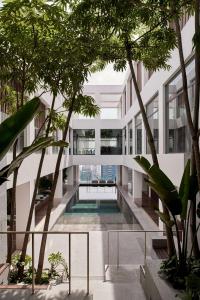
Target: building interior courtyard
(99, 150)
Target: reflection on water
(92, 209)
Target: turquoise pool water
(93, 207)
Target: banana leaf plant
(176, 201)
(10, 130)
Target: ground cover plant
(56, 272)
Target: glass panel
(111, 141)
(138, 134)
(152, 114)
(178, 135)
(130, 138)
(95, 174)
(84, 142)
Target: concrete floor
(121, 284)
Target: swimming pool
(93, 207)
(96, 208)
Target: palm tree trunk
(170, 240)
(30, 216)
(51, 198)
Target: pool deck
(128, 249)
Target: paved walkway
(122, 284)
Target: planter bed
(155, 287)
(23, 286)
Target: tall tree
(77, 53)
(131, 31)
(17, 50)
(52, 60)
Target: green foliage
(13, 125)
(83, 105)
(182, 271)
(8, 98)
(58, 121)
(39, 144)
(162, 185)
(190, 282)
(169, 272)
(116, 23)
(184, 190)
(193, 286)
(196, 41)
(165, 219)
(56, 260)
(15, 263)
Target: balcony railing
(33, 233)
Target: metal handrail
(123, 231)
(69, 233)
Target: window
(152, 115)
(178, 138)
(111, 141)
(84, 142)
(138, 134)
(130, 138)
(124, 140)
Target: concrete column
(70, 177)
(23, 199)
(134, 136)
(161, 121)
(125, 177)
(77, 174)
(59, 186)
(137, 187)
(118, 179)
(128, 94)
(30, 132)
(143, 139)
(160, 224)
(97, 141)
